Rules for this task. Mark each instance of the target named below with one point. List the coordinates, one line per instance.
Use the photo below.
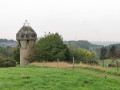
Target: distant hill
(89, 46)
(77, 44)
(83, 44)
(105, 43)
(117, 45)
(7, 43)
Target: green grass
(38, 78)
(109, 62)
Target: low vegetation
(7, 62)
(7, 52)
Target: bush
(7, 62)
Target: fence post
(57, 63)
(81, 62)
(106, 70)
(73, 63)
(43, 64)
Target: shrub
(7, 62)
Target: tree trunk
(87, 62)
(43, 63)
(73, 63)
(106, 70)
(58, 63)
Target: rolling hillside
(7, 43)
(77, 44)
(83, 44)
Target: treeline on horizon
(59, 49)
(5, 43)
(84, 44)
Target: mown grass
(39, 78)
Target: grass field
(39, 78)
(109, 62)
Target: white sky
(93, 20)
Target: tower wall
(26, 38)
(25, 47)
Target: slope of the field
(38, 78)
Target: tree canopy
(82, 54)
(49, 48)
(16, 54)
(103, 53)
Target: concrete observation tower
(26, 38)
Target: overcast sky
(93, 20)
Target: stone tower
(26, 38)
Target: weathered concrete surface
(26, 38)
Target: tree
(49, 48)
(16, 54)
(93, 55)
(103, 53)
(82, 54)
(73, 52)
(114, 54)
(7, 52)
